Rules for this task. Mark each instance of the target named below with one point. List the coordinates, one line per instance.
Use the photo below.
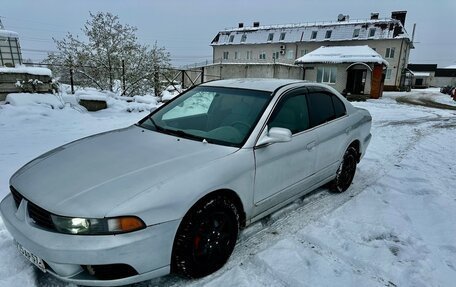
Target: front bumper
(148, 250)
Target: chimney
(374, 16)
(256, 24)
(399, 15)
(241, 25)
(342, 18)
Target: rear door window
(321, 108)
(339, 107)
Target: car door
(327, 114)
(284, 169)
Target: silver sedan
(170, 193)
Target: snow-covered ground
(393, 227)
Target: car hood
(91, 176)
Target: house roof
(6, 33)
(422, 67)
(341, 31)
(421, 74)
(342, 54)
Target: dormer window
(371, 32)
(282, 36)
(231, 38)
(314, 35)
(356, 33)
(243, 38)
(270, 37)
(328, 34)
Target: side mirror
(274, 135)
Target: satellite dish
(341, 17)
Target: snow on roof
(27, 70)
(421, 74)
(342, 54)
(341, 31)
(450, 67)
(6, 33)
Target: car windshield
(214, 114)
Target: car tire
(205, 238)
(346, 171)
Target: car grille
(39, 216)
(16, 196)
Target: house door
(356, 80)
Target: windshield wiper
(182, 134)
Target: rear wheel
(345, 172)
(206, 238)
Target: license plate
(38, 262)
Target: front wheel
(346, 171)
(206, 238)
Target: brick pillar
(377, 82)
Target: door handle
(310, 145)
(347, 130)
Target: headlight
(93, 226)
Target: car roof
(268, 85)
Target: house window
(243, 38)
(225, 55)
(372, 32)
(290, 54)
(356, 33)
(270, 37)
(390, 52)
(275, 55)
(249, 55)
(304, 52)
(326, 75)
(263, 56)
(314, 35)
(388, 74)
(328, 34)
(231, 38)
(236, 55)
(282, 36)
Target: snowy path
(393, 227)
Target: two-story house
(285, 43)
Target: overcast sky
(186, 28)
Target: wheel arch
(229, 194)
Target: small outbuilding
(357, 70)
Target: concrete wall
(397, 63)
(283, 71)
(443, 81)
(232, 70)
(8, 84)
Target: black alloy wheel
(206, 238)
(346, 171)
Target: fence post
(157, 81)
(202, 75)
(71, 80)
(183, 79)
(123, 77)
